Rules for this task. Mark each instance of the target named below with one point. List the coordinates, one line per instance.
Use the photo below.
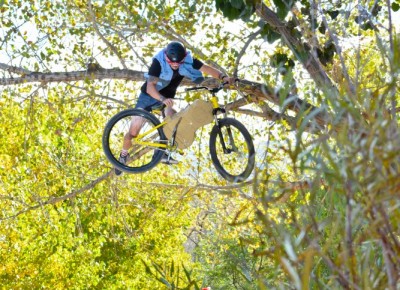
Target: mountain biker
(168, 68)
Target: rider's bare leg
(136, 125)
(169, 111)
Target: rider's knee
(129, 136)
(169, 112)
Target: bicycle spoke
(232, 150)
(143, 153)
(235, 160)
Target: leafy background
(320, 89)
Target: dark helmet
(175, 51)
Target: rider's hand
(168, 102)
(230, 80)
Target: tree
(322, 208)
(344, 167)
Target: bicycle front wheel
(232, 150)
(143, 155)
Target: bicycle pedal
(169, 160)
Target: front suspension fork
(216, 110)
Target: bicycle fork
(216, 109)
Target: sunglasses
(173, 62)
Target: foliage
(96, 240)
(322, 210)
(170, 272)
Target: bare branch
(173, 35)
(291, 186)
(309, 62)
(13, 69)
(243, 50)
(98, 96)
(54, 200)
(253, 92)
(259, 93)
(339, 52)
(96, 28)
(124, 74)
(349, 236)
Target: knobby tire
(242, 171)
(112, 150)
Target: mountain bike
(230, 144)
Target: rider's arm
(215, 73)
(154, 73)
(154, 93)
(152, 90)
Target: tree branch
(200, 186)
(14, 69)
(243, 50)
(54, 200)
(29, 77)
(259, 93)
(296, 46)
(96, 28)
(254, 92)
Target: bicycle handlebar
(212, 90)
(195, 89)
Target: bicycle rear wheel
(142, 157)
(232, 150)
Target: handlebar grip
(226, 83)
(236, 80)
(190, 89)
(195, 89)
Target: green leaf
(238, 4)
(268, 33)
(165, 282)
(187, 273)
(278, 59)
(322, 28)
(169, 11)
(283, 7)
(192, 8)
(235, 9)
(172, 268)
(148, 270)
(395, 6)
(333, 13)
(377, 8)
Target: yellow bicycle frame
(137, 139)
(214, 102)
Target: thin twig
(243, 50)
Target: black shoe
(167, 159)
(123, 160)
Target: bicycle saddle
(194, 116)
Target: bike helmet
(175, 51)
